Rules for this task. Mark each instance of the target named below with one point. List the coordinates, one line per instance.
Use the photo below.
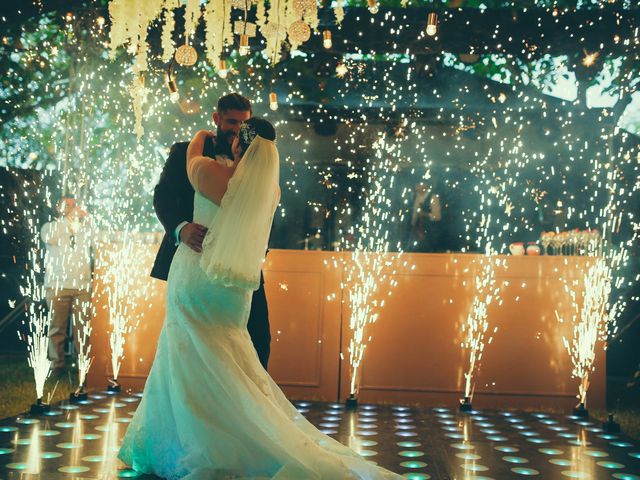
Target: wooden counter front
(414, 355)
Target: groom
(173, 202)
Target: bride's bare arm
(207, 177)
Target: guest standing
(67, 278)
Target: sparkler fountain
(594, 307)
(83, 332)
(37, 346)
(38, 318)
(369, 259)
(120, 285)
(477, 324)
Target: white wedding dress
(209, 410)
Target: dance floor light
(413, 464)
(73, 469)
(411, 453)
(610, 464)
(409, 444)
(71, 447)
(525, 471)
(507, 449)
(596, 453)
(551, 451)
(367, 453)
(49, 455)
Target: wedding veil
(235, 245)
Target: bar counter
(414, 355)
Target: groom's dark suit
(173, 203)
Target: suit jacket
(173, 202)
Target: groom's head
(233, 109)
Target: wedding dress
(209, 410)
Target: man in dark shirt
(173, 203)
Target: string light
(326, 39)
(222, 69)
(244, 45)
(432, 24)
(173, 90)
(273, 101)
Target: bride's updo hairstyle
(253, 127)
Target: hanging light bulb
(244, 45)
(273, 101)
(432, 24)
(326, 39)
(172, 85)
(373, 6)
(173, 90)
(222, 69)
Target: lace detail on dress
(226, 277)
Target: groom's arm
(166, 194)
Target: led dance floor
(81, 442)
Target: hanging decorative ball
(373, 5)
(299, 31)
(186, 55)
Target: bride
(209, 410)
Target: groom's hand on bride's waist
(192, 235)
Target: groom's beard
(223, 143)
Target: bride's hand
(196, 146)
(206, 133)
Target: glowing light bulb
(326, 42)
(273, 101)
(432, 24)
(341, 70)
(244, 45)
(174, 95)
(222, 69)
